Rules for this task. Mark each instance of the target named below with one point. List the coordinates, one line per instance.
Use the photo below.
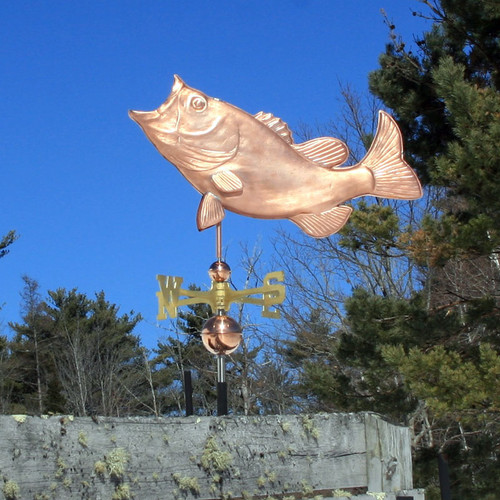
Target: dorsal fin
(327, 151)
(276, 125)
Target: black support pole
(188, 392)
(444, 478)
(221, 398)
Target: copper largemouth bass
(249, 164)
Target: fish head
(190, 129)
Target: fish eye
(198, 103)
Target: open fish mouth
(154, 122)
(164, 117)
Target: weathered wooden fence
(338, 455)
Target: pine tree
(76, 355)
(98, 360)
(8, 385)
(446, 96)
(31, 349)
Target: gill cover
(207, 135)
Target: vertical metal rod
(221, 359)
(221, 368)
(218, 229)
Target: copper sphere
(219, 271)
(221, 334)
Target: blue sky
(95, 205)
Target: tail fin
(394, 178)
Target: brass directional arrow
(220, 296)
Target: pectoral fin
(227, 182)
(210, 211)
(323, 224)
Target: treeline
(77, 355)
(71, 354)
(399, 313)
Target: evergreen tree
(31, 355)
(311, 354)
(97, 358)
(75, 355)
(446, 96)
(8, 384)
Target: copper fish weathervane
(251, 166)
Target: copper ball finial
(221, 334)
(219, 271)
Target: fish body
(249, 164)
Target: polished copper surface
(251, 166)
(221, 334)
(219, 271)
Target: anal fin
(210, 211)
(323, 224)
